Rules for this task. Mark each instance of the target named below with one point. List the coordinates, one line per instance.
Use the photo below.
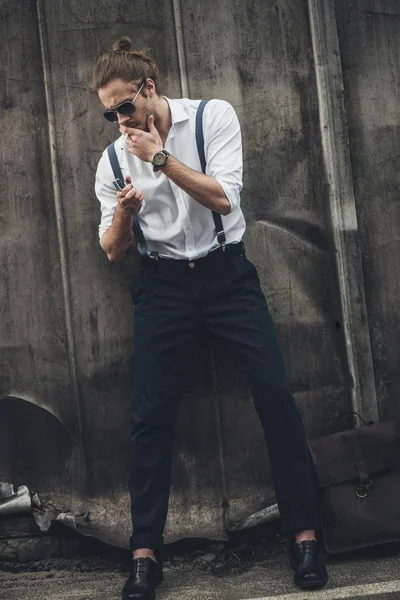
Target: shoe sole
(156, 584)
(310, 585)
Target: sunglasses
(126, 108)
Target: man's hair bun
(124, 44)
(123, 62)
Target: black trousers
(174, 301)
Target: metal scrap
(266, 515)
(47, 513)
(23, 500)
(14, 502)
(6, 490)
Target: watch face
(159, 159)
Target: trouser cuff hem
(292, 526)
(146, 540)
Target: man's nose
(122, 119)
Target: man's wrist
(160, 159)
(124, 213)
(123, 223)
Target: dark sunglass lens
(126, 108)
(111, 116)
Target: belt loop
(154, 256)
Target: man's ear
(150, 87)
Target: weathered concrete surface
(221, 475)
(258, 56)
(33, 352)
(36, 431)
(369, 33)
(265, 577)
(68, 436)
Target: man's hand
(129, 199)
(143, 144)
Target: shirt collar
(178, 112)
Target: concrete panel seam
(60, 222)
(180, 48)
(337, 165)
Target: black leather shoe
(309, 569)
(145, 577)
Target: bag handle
(350, 412)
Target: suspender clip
(118, 184)
(221, 239)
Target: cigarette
(125, 137)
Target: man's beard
(142, 125)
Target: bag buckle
(364, 491)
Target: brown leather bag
(358, 471)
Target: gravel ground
(201, 571)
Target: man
(194, 277)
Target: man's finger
(150, 124)
(124, 191)
(130, 204)
(130, 201)
(128, 130)
(132, 192)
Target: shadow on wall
(35, 446)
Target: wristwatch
(159, 159)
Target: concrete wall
(66, 313)
(369, 33)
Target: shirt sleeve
(105, 193)
(223, 148)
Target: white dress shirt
(173, 224)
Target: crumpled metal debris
(266, 515)
(6, 490)
(44, 515)
(36, 501)
(23, 500)
(68, 520)
(47, 513)
(12, 502)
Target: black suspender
(200, 149)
